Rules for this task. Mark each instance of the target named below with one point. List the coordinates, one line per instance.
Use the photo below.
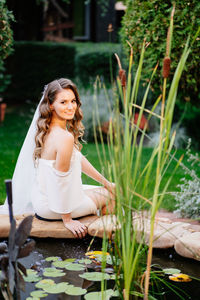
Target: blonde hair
(74, 126)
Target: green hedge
(94, 59)
(34, 64)
(150, 20)
(6, 41)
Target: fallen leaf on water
(180, 277)
(94, 253)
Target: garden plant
(150, 19)
(133, 277)
(121, 160)
(6, 42)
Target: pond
(72, 248)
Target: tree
(6, 42)
(150, 19)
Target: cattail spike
(122, 77)
(166, 66)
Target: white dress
(55, 192)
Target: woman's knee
(100, 196)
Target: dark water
(72, 248)
(168, 258)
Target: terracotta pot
(2, 111)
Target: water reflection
(74, 248)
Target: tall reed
(125, 144)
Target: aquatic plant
(122, 167)
(11, 278)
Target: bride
(47, 176)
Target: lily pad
(53, 272)
(171, 271)
(75, 291)
(95, 276)
(39, 294)
(63, 263)
(70, 259)
(30, 271)
(32, 278)
(85, 261)
(75, 267)
(107, 294)
(52, 258)
(45, 282)
(32, 298)
(56, 288)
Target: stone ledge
(183, 236)
(189, 245)
(43, 229)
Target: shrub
(6, 41)
(88, 107)
(34, 64)
(150, 19)
(188, 199)
(94, 59)
(189, 115)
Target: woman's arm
(89, 170)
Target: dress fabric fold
(55, 192)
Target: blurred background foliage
(150, 20)
(35, 61)
(6, 41)
(34, 64)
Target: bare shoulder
(63, 138)
(64, 143)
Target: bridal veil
(24, 172)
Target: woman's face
(65, 105)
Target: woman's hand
(78, 229)
(111, 187)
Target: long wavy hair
(74, 126)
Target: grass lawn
(12, 134)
